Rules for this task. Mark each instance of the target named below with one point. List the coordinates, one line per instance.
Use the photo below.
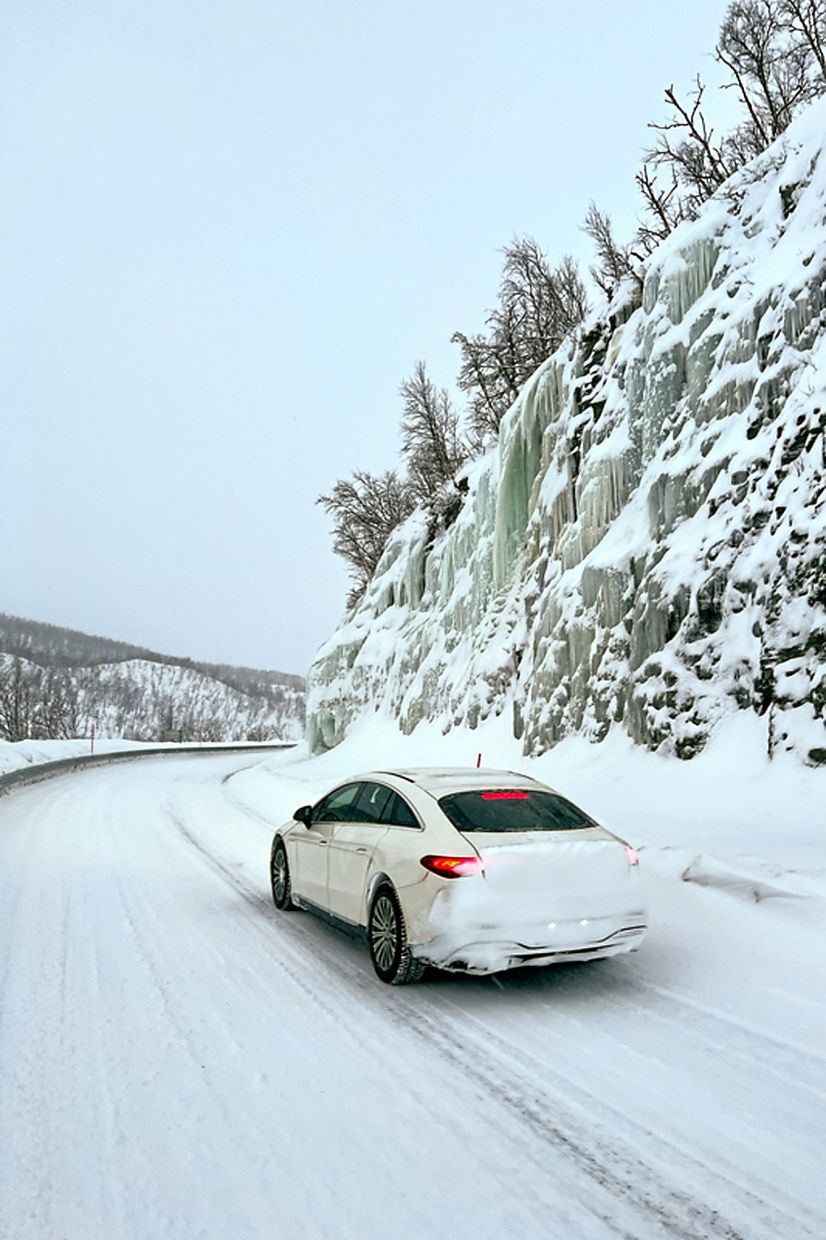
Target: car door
(313, 844)
(402, 847)
(351, 850)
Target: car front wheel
(387, 937)
(282, 896)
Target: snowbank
(16, 755)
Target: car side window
(338, 806)
(397, 813)
(371, 802)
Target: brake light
(453, 867)
(504, 796)
(632, 855)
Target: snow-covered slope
(647, 544)
(133, 697)
(144, 700)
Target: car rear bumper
(487, 951)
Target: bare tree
(16, 703)
(770, 72)
(431, 442)
(365, 510)
(805, 20)
(775, 54)
(684, 167)
(538, 307)
(55, 716)
(544, 304)
(614, 262)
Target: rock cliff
(646, 547)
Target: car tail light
(632, 855)
(453, 867)
(504, 796)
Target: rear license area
(570, 876)
(565, 894)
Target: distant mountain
(57, 682)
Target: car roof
(441, 780)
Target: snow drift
(645, 546)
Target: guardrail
(63, 766)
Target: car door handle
(361, 850)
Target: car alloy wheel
(392, 959)
(280, 878)
(384, 934)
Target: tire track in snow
(742, 1046)
(596, 1118)
(38, 1099)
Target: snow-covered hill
(647, 544)
(134, 697)
(57, 683)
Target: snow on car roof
(441, 779)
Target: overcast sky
(228, 230)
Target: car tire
(387, 940)
(282, 892)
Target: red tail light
(632, 855)
(453, 867)
(504, 796)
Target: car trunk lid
(562, 874)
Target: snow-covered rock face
(647, 545)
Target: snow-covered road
(177, 1060)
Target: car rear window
(510, 809)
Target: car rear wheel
(387, 937)
(282, 896)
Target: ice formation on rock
(647, 544)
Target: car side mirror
(304, 814)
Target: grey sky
(227, 232)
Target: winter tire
(282, 896)
(387, 938)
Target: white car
(471, 870)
